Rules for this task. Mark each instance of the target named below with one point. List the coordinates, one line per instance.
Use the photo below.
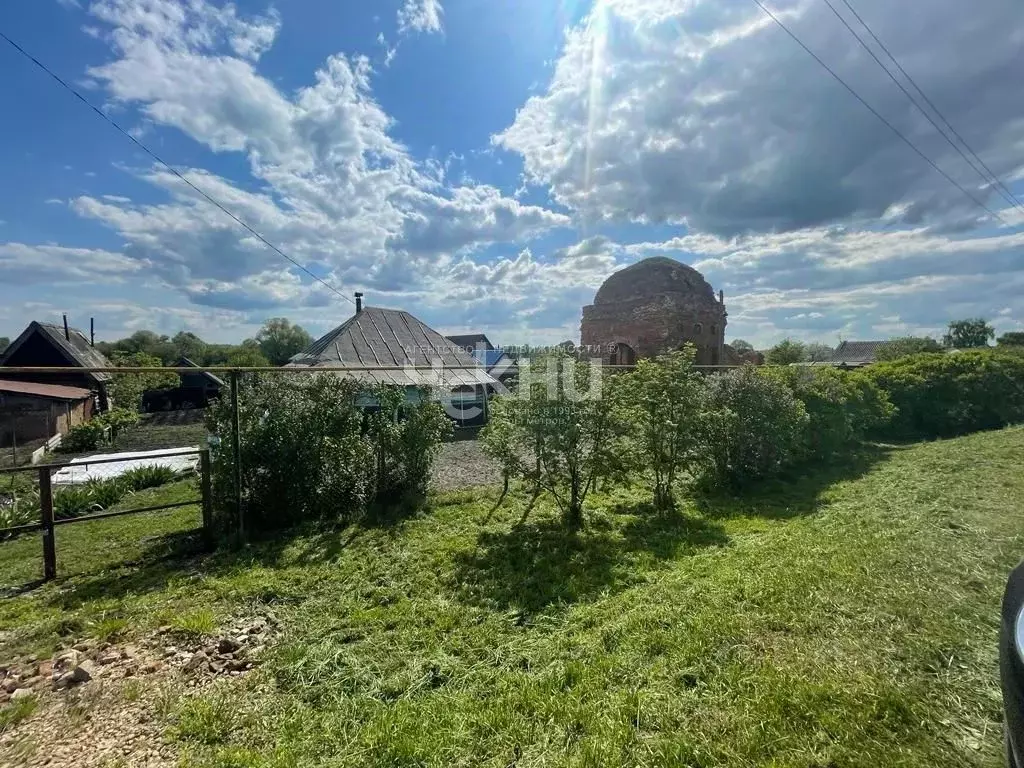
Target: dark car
(1011, 665)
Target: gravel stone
(462, 464)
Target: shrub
(754, 428)
(908, 345)
(140, 478)
(951, 394)
(106, 493)
(303, 455)
(73, 501)
(405, 439)
(21, 508)
(841, 408)
(83, 437)
(118, 419)
(667, 402)
(558, 433)
(126, 388)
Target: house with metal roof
(494, 359)
(46, 345)
(391, 346)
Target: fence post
(206, 488)
(237, 449)
(49, 545)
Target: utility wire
(876, 113)
(170, 168)
(989, 178)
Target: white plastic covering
(81, 470)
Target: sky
(486, 164)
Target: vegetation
(786, 352)
(847, 618)
(1011, 339)
(279, 340)
(951, 394)
(816, 352)
(307, 453)
(970, 333)
(907, 345)
(247, 355)
(126, 388)
(107, 426)
(140, 478)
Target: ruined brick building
(654, 306)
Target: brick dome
(653, 277)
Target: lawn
(847, 618)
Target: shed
(33, 411)
(46, 345)
(390, 346)
(493, 359)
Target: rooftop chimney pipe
(92, 331)
(359, 302)
(67, 333)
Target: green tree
(741, 345)
(5, 342)
(1008, 339)
(279, 340)
(786, 352)
(908, 345)
(969, 333)
(247, 355)
(558, 433)
(126, 388)
(666, 399)
(816, 353)
(191, 346)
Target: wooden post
(236, 447)
(49, 545)
(206, 487)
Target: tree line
(274, 344)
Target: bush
(841, 408)
(106, 493)
(140, 478)
(558, 434)
(950, 394)
(310, 451)
(666, 400)
(118, 419)
(20, 508)
(73, 501)
(755, 428)
(83, 437)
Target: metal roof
(76, 349)
(184, 362)
(470, 340)
(400, 348)
(856, 352)
(50, 391)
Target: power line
(877, 114)
(989, 178)
(168, 166)
(992, 177)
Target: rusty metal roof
(50, 391)
(75, 347)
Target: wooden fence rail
(47, 524)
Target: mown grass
(848, 618)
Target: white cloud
(334, 190)
(22, 264)
(420, 16)
(706, 113)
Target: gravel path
(461, 464)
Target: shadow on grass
(795, 495)
(543, 563)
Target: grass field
(843, 619)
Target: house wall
(24, 418)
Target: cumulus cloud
(706, 113)
(334, 189)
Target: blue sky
(485, 164)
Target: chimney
(67, 333)
(92, 331)
(359, 302)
